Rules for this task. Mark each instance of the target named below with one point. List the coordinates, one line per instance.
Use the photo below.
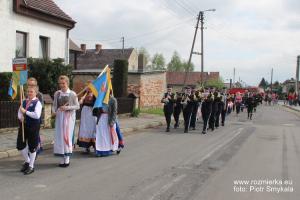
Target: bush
(5, 78)
(47, 72)
(120, 77)
(135, 112)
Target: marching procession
(211, 104)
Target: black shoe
(167, 130)
(64, 165)
(24, 167)
(186, 131)
(29, 170)
(118, 151)
(223, 124)
(203, 132)
(194, 128)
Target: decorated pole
(20, 69)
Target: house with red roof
(33, 28)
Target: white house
(31, 28)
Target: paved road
(158, 165)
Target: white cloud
(252, 36)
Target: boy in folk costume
(64, 109)
(106, 136)
(87, 129)
(30, 114)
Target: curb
(289, 107)
(49, 145)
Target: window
(44, 47)
(21, 44)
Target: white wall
(10, 22)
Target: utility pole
(233, 75)
(201, 14)
(297, 74)
(271, 80)
(192, 50)
(123, 41)
(199, 18)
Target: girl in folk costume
(30, 114)
(32, 82)
(106, 136)
(64, 108)
(87, 129)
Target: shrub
(120, 77)
(5, 78)
(135, 112)
(47, 72)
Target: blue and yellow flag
(13, 89)
(101, 87)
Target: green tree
(215, 83)
(158, 62)
(144, 51)
(175, 65)
(186, 66)
(263, 83)
(47, 72)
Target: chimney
(83, 48)
(141, 62)
(98, 48)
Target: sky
(251, 36)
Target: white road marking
(221, 145)
(168, 186)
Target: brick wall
(148, 86)
(79, 81)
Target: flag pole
(83, 90)
(21, 101)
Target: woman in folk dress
(87, 129)
(106, 136)
(64, 108)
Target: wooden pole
(21, 102)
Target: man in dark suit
(168, 101)
(187, 103)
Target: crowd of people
(211, 105)
(292, 99)
(98, 126)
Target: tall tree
(146, 54)
(186, 66)
(263, 83)
(158, 62)
(175, 65)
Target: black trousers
(187, 112)
(205, 118)
(223, 115)
(31, 134)
(217, 118)
(212, 120)
(238, 108)
(168, 115)
(194, 116)
(250, 111)
(176, 114)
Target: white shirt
(37, 111)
